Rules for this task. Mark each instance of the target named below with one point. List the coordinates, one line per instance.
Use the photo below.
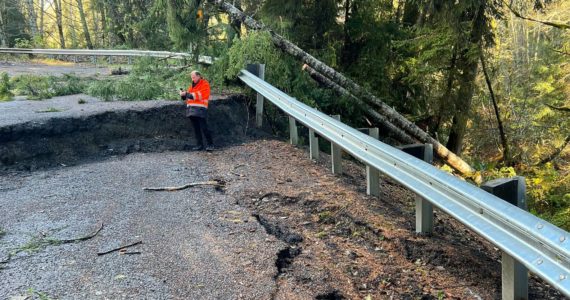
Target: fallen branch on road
(119, 248)
(84, 238)
(42, 241)
(215, 183)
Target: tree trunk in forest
(32, 18)
(393, 116)
(506, 154)
(114, 31)
(469, 68)
(74, 43)
(444, 100)
(95, 17)
(104, 29)
(463, 107)
(42, 13)
(84, 23)
(394, 131)
(59, 20)
(3, 38)
(235, 24)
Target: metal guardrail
(127, 53)
(540, 246)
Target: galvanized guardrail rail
(541, 247)
(107, 53)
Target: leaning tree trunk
(506, 153)
(393, 116)
(394, 131)
(59, 20)
(84, 23)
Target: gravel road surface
(196, 243)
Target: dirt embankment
(66, 138)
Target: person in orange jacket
(197, 97)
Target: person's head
(196, 76)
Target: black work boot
(198, 148)
(210, 148)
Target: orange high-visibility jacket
(201, 94)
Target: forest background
(490, 79)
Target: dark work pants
(200, 126)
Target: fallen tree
(388, 112)
(396, 132)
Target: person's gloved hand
(189, 96)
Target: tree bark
(32, 18)
(3, 36)
(84, 23)
(393, 117)
(42, 25)
(394, 131)
(506, 153)
(469, 68)
(72, 30)
(444, 100)
(59, 21)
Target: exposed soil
(30, 139)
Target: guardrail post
(293, 135)
(75, 58)
(372, 174)
(336, 154)
(110, 60)
(514, 274)
(313, 144)
(259, 71)
(424, 209)
(130, 62)
(94, 60)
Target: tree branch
(562, 108)
(555, 153)
(553, 24)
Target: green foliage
(548, 191)
(104, 89)
(49, 110)
(67, 85)
(37, 87)
(41, 295)
(5, 94)
(23, 43)
(148, 80)
(138, 88)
